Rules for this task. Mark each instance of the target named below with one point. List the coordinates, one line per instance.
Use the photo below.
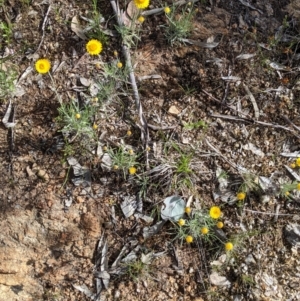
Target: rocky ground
(230, 101)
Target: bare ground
(48, 247)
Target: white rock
(218, 280)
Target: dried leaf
(129, 205)
(173, 208)
(245, 56)
(75, 27)
(218, 280)
(148, 232)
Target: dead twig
(291, 123)
(275, 126)
(220, 154)
(44, 27)
(126, 53)
(253, 101)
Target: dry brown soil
(46, 248)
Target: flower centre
(93, 47)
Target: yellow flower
(298, 186)
(287, 193)
(141, 4)
(95, 126)
(181, 222)
(297, 162)
(116, 167)
(119, 65)
(115, 53)
(293, 165)
(77, 116)
(167, 9)
(228, 246)
(204, 230)
(220, 225)
(187, 210)
(132, 170)
(141, 19)
(42, 66)
(241, 196)
(94, 47)
(130, 152)
(104, 148)
(215, 212)
(189, 239)
(129, 133)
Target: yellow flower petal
(141, 4)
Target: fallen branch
(275, 126)
(44, 28)
(126, 53)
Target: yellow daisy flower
(204, 230)
(95, 126)
(297, 162)
(141, 19)
(167, 9)
(298, 186)
(77, 116)
(215, 212)
(187, 210)
(228, 246)
(181, 222)
(119, 65)
(220, 225)
(189, 239)
(241, 196)
(141, 4)
(94, 47)
(132, 170)
(42, 66)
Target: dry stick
(126, 53)
(291, 123)
(220, 154)
(252, 99)
(275, 126)
(248, 120)
(43, 28)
